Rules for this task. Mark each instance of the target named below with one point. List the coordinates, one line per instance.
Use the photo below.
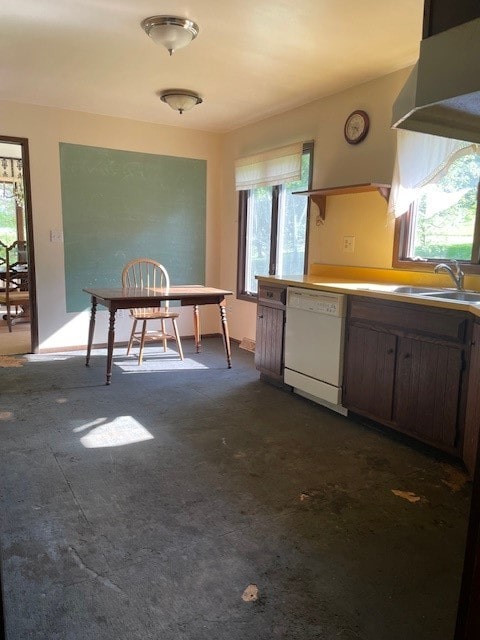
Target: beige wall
(45, 128)
(362, 216)
(335, 163)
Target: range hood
(442, 94)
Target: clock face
(356, 127)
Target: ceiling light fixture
(170, 31)
(180, 100)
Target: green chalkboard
(120, 205)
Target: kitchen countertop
(371, 289)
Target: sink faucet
(456, 273)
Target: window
(442, 223)
(273, 230)
(8, 220)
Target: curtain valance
(421, 159)
(276, 166)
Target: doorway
(18, 328)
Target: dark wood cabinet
(440, 15)
(472, 417)
(270, 332)
(468, 615)
(404, 368)
(369, 389)
(427, 390)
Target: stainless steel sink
(429, 292)
(463, 296)
(415, 290)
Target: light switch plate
(56, 235)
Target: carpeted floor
(17, 341)
(189, 501)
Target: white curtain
(276, 166)
(421, 160)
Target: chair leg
(177, 338)
(142, 342)
(164, 339)
(9, 318)
(130, 342)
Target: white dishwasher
(314, 341)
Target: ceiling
(251, 59)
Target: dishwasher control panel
(332, 304)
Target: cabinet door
(369, 372)
(427, 390)
(269, 341)
(472, 417)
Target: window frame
(242, 231)
(401, 241)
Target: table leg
(196, 329)
(91, 330)
(226, 335)
(111, 341)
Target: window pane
(444, 218)
(259, 225)
(292, 224)
(8, 220)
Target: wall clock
(356, 127)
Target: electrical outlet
(348, 244)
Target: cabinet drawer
(444, 324)
(272, 295)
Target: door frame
(23, 143)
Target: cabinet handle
(269, 294)
(260, 316)
(406, 356)
(389, 351)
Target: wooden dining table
(138, 298)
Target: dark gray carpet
(189, 501)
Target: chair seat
(152, 314)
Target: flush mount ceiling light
(180, 100)
(170, 31)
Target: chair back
(14, 281)
(15, 268)
(145, 273)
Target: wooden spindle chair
(145, 273)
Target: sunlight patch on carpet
(115, 433)
(162, 363)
